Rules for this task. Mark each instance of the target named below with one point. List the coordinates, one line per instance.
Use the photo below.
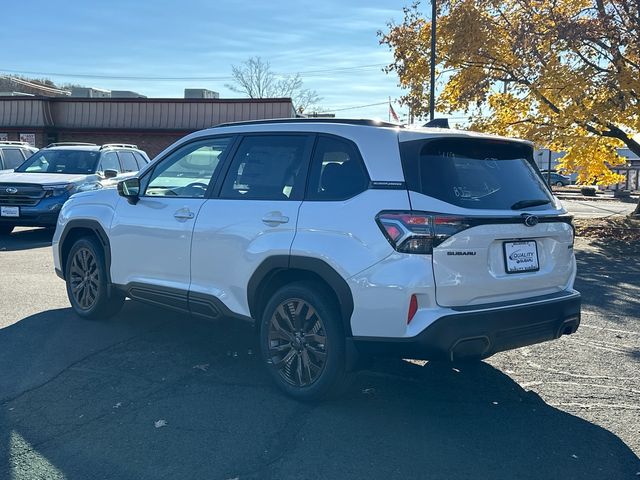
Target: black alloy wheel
(302, 340)
(87, 282)
(83, 277)
(297, 342)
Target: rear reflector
(413, 308)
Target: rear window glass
(472, 173)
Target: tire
(307, 367)
(559, 184)
(6, 229)
(87, 286)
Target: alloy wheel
(297, 342)
(84, 278)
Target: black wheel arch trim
(96, 228)
(276, 263)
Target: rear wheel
(87, 285)
(559, 184)
(6, 229)
(303, 343)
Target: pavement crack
(73, 364)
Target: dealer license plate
(521, 256)
(9, 211)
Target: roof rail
(69, 144)
(13, 142)
(346, 121)
(121, 145)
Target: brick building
(150, 123)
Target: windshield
(61, 161)
(475, 173)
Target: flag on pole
(392, 113)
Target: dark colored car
(557, 179)
(33, 194)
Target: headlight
(87, 187)
(59, 190)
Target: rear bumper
(482, 333)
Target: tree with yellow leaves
(562, 73)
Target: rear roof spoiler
(437, 123)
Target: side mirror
(108, 173)
(130, 189)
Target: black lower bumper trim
(42, 220)
(481, 334)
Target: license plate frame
(527, 262)
(9, 211)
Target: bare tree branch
(255, 79)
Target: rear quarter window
(13, 157)
(473, 173)
(128, 161)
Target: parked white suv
(339, 238)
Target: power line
(308, 73)
(355, 107)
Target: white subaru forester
(339, 238)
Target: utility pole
(432, 87)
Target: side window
(140, 160)
(109, 161)
(128, 162)
(12, 157)
(337, 172)
(187, 172)
(268, 167)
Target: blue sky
(199, 38)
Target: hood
(45, 178)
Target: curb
(631, 199)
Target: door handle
(274, 219)
(183, 214)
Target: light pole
(432, 87)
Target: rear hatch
(499, 234)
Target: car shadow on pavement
(25, 239)
(609, 278)
(154, 394)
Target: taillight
(419, 232)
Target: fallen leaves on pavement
(620, 229)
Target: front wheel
(303, 342)
(6, 229)
(87, 284)
(559, 184)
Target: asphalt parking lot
(598, 208)
(154, 394)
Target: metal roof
(136, 113)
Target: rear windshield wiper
(529, 203)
